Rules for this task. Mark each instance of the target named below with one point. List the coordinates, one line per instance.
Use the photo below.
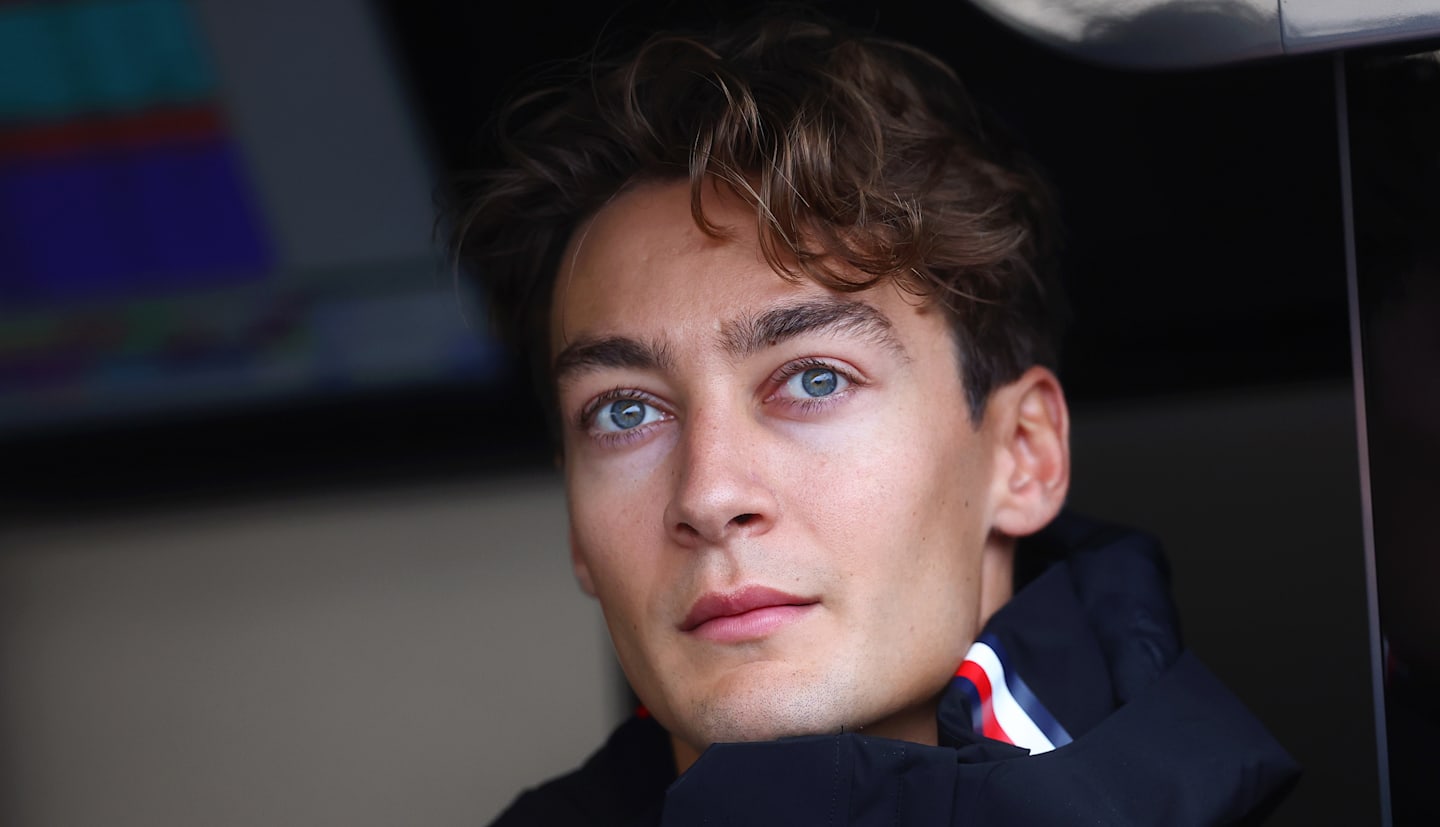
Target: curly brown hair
(865, 158)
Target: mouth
(750, 613)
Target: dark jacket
(1083, 667)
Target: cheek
(605, 543)
(615, 524)
(892, 470)
(899, 515)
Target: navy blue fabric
(621, 784)
(1053, 648)
(1157, 739)
(1123, 583)
(1184, 752)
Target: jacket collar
(1091, 623)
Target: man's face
(775, 490)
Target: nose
(722, 484)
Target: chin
(762, 711)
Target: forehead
(642, 258)
(642, 268)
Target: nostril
(742, 519)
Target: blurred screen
(210, 202)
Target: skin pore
(793, 467)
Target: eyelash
(586, 420)
(791, 369)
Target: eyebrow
(740, 338)
(829, 315)
(587, 354)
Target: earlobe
(1033, 468)
(582, 569)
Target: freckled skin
(862, 502)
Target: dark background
(1394, 120)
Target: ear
(582, 569)
(1032, 441)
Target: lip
(745, 614)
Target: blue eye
(815, 382)
(625, 415)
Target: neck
(685, 755)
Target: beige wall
(397, 657)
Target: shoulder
(623, 783)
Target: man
(794, 308)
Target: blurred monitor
(205, 204)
